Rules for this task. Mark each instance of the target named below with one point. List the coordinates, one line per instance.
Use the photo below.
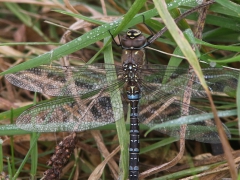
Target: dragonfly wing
(161, 109)
(64, 80)
(173, 80)
(220, 80)
(160, 84)
(70, 114)
(167, 80)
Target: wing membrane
(63, 80)
(70, 114)
(173, 80)
(156, 113)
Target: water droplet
(213, 64)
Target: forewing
(220, 80)
(173, 80)
(64, 80)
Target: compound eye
(136, 34)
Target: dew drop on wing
(105, 102)
(36, 71)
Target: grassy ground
(35, 33)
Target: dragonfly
(87, 98)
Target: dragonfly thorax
(133, 39)
(130, 72)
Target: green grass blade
(12, 147)
(120, 124)
(230, 5)
(162, 143)
(192, 119)
(26, 157)
(79, 16)
(33, 144)
(34, 155)
(16, 9)
(222, 47)
(238, 104)
(9, 168)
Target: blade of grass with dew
(192, 119)
(120, 124)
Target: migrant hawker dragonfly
(85, 96)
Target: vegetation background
(35, 32)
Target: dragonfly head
(133, 39)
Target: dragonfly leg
(150, 29)
(118, 44)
